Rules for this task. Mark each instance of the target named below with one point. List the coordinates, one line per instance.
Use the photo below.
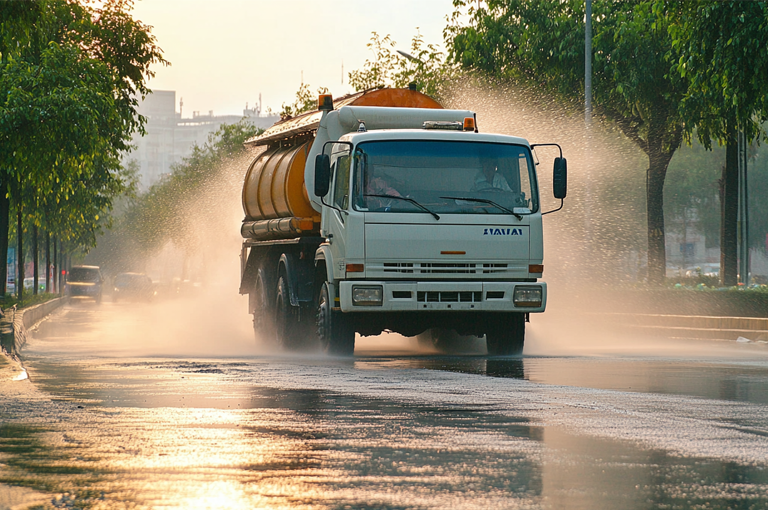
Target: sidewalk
(15, 322)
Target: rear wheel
(334, 331)
(506, 335)
(287, 330)
(263, 326)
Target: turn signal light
(536, 268)
(354, 268)
(469, 124)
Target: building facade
(170, 136)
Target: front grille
(398, 267)
(442, 268)
(438, 267)
(449, 297)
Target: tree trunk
(5, 206)
(19, 257)
(729, 212)
(657, 254)
(47, 262)
(35, 257)
(56, 270)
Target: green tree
(304, 102)
(722, 55)
(425, 65)
(71, 78)
(542, 43)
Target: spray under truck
(382, 211)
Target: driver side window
(341, 183)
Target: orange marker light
(325, 102)
(306, 224)
(469, 124)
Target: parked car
(133, 286)
(84, 282)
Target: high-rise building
(170, 137)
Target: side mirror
(322, 174)
(559, 178)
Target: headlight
(527, 296)
(367, 296)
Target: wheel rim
(259, 317)
(280, 319)
(323, 320)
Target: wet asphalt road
(127, 409)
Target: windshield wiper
(408, 200)
(486, 201)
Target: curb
(692, 326)
(15, 323)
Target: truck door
(340, 165)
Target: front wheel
(334, 331)
(287, 330)
(506, 335)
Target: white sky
(225, 52)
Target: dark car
(133, 286)
(84, 282)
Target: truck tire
(334, 331)
(506, 335)
(263, 326)
(287, 326)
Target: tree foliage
(722, 55)
(71, 78)
(305, 102)
(427, 67)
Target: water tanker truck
(382, 211)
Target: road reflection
(170, 434)
(124, 430)
(739, 380)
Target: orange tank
(274, 183)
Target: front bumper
(83, 290)
(402, 296)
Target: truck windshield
(445, 177)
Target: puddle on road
(208, 437)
